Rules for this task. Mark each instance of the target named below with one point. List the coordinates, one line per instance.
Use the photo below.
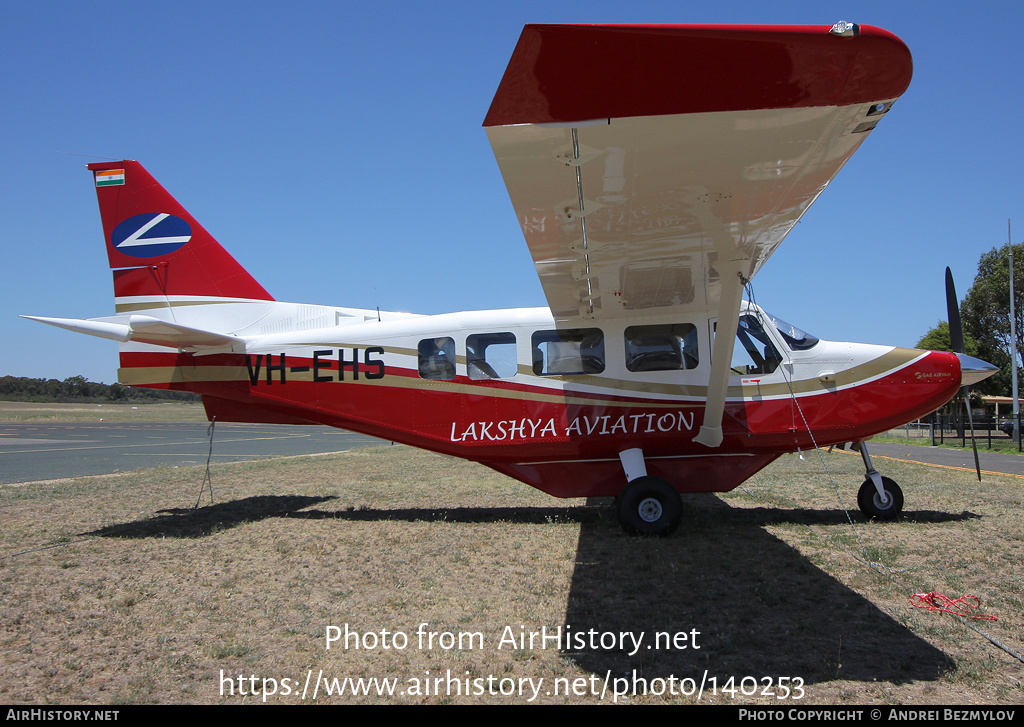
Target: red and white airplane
(654, 170)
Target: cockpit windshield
(796, 339)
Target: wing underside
(637, 177)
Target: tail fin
(155, 247)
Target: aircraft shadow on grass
(203, 521)
(763, 609)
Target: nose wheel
(886, 505)
(879, 497)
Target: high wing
(648, 163)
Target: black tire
(649, 506)
(871, 504)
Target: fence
(954, 429)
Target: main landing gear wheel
(649, 506)
(873, 506)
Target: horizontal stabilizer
(146, 329)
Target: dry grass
(113, 590)
(20, 411)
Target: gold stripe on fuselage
(682, 395)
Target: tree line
(80, 389)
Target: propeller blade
(956, 329)
(956, 341)
(974, 442)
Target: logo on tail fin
(151, 235)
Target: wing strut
(729, 303)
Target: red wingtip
(566, 73)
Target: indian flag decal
(110, 178)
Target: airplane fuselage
(550, 406)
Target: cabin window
(491, 356)
(754, 352)
(437, 358)
(567, 352)
(666, 347)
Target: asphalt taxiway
(35, 451)
(992, 462)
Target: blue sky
(336, 150)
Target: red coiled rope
(962, 606)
